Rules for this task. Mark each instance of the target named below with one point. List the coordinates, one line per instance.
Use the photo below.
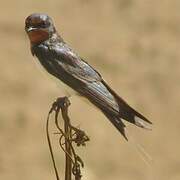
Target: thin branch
(70, 134)
(67, 129)
(50, 147)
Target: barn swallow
(61, 61)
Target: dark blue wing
(73, 64)
(94, 87)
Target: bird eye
(42, 24)
(37, 23)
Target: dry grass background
(135, 45)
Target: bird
(62, 62)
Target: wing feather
(94, 88)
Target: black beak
(28, 29)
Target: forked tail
(126, 113)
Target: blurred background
(135, 46)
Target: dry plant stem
(67, 130)
(71, 136)
(50, 147)
(63, 103)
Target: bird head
(39, 27)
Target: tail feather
(128, 113)
(117, 123)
